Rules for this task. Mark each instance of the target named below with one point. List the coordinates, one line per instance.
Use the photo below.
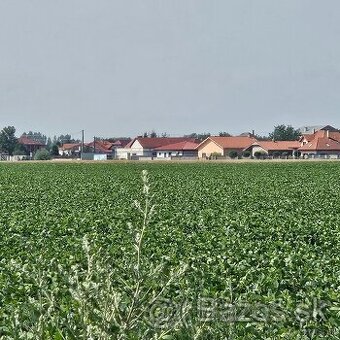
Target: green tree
(36, 136)
(153, 134)
(276, 154)
(297, 154)
(260, 154)
(55, 150)
(246, 154)
(199, 136)
(65, 139)
(283, 132)
(8, 141)
(233, 154)
(49, 144)
(262, 138)
(19, 150)
(224, 134)
(215, 155)
(42, 155)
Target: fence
(4, 157)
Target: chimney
(253, 133)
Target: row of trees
(281, 132)
(9, 142)
(199, 136)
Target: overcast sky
(121, 67)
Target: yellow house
(223, 145)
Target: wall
(169, 154)
(86, 156)
(208, 148)
(191, 153)
(137, 150)
(321, 154)
(122, 153)
(186, 153)
(100, 157)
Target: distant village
(307, 142)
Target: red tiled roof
(181, 146)
(70, 146)
(321, 144)
(308, 137)
(326, 134)
(154, 143)
(24, 140)
(100, 149)
(233, 142)
(101, 146)
(279, 145)
(121, 143)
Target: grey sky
(120, 67)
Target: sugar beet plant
(206, 251)
(117, 302)
(104, 299)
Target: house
(97, 150)
(31, 146)
(324, 143)
(222, 146)
(324, 131)
(99, 147)
(275, 148)
(315, 142)
(146, 146)
(93, 150)
(311, 132)
(119, 143)
(181, 149)
(70, 149)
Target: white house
(181, 149)
(147, 146)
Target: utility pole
(82, 142)
(94, 144)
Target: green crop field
(184, 251)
